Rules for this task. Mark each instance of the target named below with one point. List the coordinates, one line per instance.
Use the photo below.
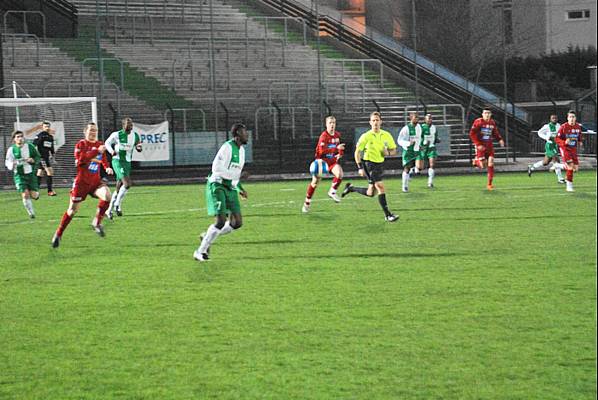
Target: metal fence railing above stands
(13, 47)
(24, 14)
(361, 61)
(161, 10)
(275, 111)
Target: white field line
(293, 203)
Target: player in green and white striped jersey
(21, 158)
(551, 150)
(409, 140)
(223, 189)
(120, 145)
(427, 149)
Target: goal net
(68, 117)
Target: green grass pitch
(471, 295)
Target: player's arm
(544, 133)
(36, 154)
(111, 142)
(222, 160)
(497, 136)
(242, 191)
(434, 134)
(10, 161)
(84, 157)
(403, 138)
(561, 136)
(391, 147)
(138, 146)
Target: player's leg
(406, 176)
(74, 204)
(111, 207)
(40, 174)
(104, 196)
(418, 166)
(490, 167)
(122, 191)
(388, 216)
(311, 188)
(538, 164)
(558, 168)
(50, 180)
(431, 171)
(337, 172)
(216, 199)
(29, 190)
(369, 191)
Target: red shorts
(569, 156)
(331, 162)
(484, 154)
(81, 190)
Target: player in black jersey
(45, 145)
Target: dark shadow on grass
(358, 256)
(513, 218)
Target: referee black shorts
(373, 171)
(45, 161)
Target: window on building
(576, 15)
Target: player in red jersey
(89, 154)
(568, 137)
(482, 132)
(329, 149)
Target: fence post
(172, 132)
(278, 125)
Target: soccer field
(470, 295)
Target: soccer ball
(318, 168)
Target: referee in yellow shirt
(375, 144)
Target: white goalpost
(68, 117)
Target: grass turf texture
(471, 295)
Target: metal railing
(185, 112)
(80, 86)
(292, 109)
(266, 39)
(118, 60)
(25, 26)
(361, 62)
(144, 6)
(23, 35)
(294, 90)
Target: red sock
(336, 182)
(570, 175)
(66, 219)
(310, 191)
(102, 207)
(490, 174)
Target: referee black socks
(384, 204)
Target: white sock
(120, 196)
(112, 201)
(537, 164)
(405, 180)
(431, 175)
(210, 236)
(559, 165)
(28, 206)
(559, 174)
(332, 190)
(225, 229)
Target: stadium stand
(264, 73)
